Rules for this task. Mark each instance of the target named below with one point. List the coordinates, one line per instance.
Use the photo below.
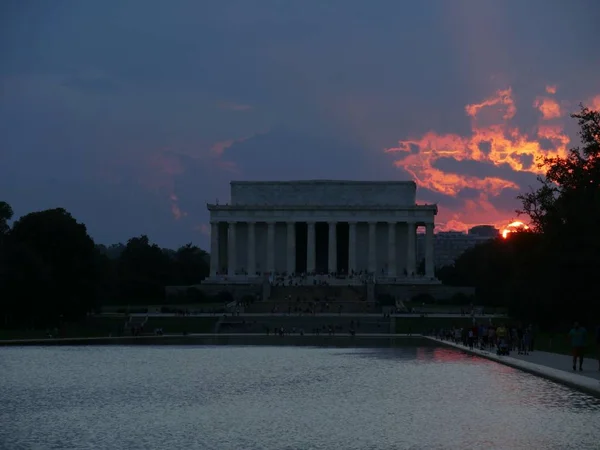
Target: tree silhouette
(549, 274)
(51, 271)
(6, 213)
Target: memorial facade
(320, 226)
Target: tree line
(549, 274)
(51, 270)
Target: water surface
(279, 398)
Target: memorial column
(251, 249)
(410, 249)
(231, 249)
(291, 248)
(332, 253)
(352, 247)
(429, 263)
(214, 249)
(391, 249)
(310, 251)
(271, 247)
(372, 247)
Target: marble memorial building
(320, 226)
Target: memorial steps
(319, 299)
(294, 307)
(310, 293)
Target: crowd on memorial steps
(353, 277)
(361, 277)
(52, 271)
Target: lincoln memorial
(320, 227)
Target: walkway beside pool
(553, 366)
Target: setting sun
(512, 227)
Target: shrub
(423, 298)
(195, 295)
(176, 298)
(248, 299)
(224, 297)
(460, 298)
(386, 300)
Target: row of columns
(311, 250)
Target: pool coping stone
(574, 380)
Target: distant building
(449, 245)
(487, 231)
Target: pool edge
(579, 382)
(185, 339)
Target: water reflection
(272, 397)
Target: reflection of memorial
(445, 354)
(320, 227)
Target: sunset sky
(133, 114)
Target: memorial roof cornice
(226, 207)
(337, 182)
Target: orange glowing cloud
(549, 107)
(164, 167)
(175, 209)
(494, 141)
(503, 98)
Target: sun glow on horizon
(513, 227)
(497, 147)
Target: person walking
(577, 336)
(598, 345)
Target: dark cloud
(468, 194)
(485, 147)
(546, 144)
(506, 200)
(484, 169)
(285, 154)
(93, 83)
(432, 197)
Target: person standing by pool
(526, 344)
(502, 334)
(577, 335)
(598, 344)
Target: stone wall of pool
(573, 380)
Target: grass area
(6, 335)
(425, 324)
(156, 308)
(88, 327)
(443, 308)
(99, 326)
(180, 324)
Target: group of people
(489, 337)
(321, 279)
(304, 306)
(517, 338)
